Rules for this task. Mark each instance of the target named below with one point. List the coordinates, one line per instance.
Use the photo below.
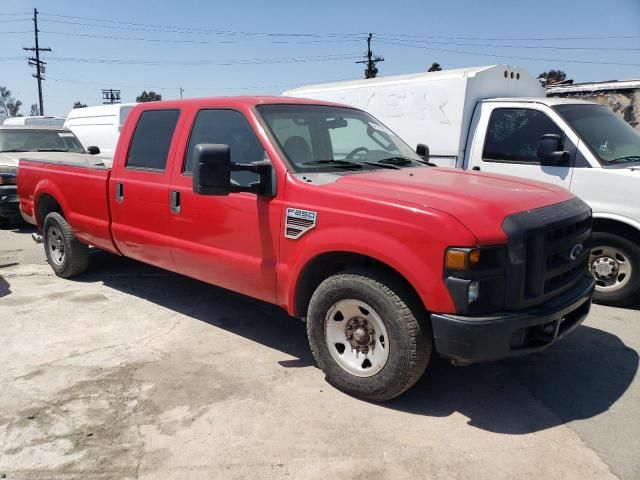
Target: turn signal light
(459, 259)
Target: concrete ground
(133, 372)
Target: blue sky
(199, 57)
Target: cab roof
(550, 101)
(245, 101)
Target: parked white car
(40, 121)
(37, 142)
(99, 126)
(496, 119)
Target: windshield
(317, 137)
(33, 140)
(611, 139)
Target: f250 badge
(298, 222)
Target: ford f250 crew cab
(322, 210)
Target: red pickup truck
(322, 210)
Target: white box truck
(496, 119)
(99, 126)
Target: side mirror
(212, 169)
(423, 151)
(93, 150)
(550, 150)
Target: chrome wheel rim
(55, 245)
(356, 338)
(611, 268)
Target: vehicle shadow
(578, 378)
(258, 321)
(4, 287)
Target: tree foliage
(34, 111)
(435, 67)
(552, 76)
(149, 96)
(9, 106)
(79, 105)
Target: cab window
(152, 139)
(227, 127)
(513, 135)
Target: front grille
(548, 252)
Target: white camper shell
(440, 103)
(99, 126)
(35, 121)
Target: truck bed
(81, 190)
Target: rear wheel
(368, 334)
(615, 264)
(66, 255)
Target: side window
(513, 134)
(152, 138)
(231, 128)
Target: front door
(511, 142)
(230, 240)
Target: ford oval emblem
(576, 251)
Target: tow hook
(36, 237)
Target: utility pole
(371, 71)
(181, 92)
(110, 96)
(35, 61)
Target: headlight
(475, 278)
(8, 175)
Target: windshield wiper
(51, 150)
(404, 161)
(627, 158)
(335, 163)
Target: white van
(35, 121)
(496, 119)
(99, 126)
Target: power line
(534, 47)
(173, 29)
(509, 39)
(201, 31)
(171, 40)
(245, 61)
(480, 54)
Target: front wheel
(368, 334)
(615, 264)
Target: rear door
(230, 240)
(139, 187)
(512, 132)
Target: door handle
(477, 169)
(175, 202)
(119, 192)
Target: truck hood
(11, 159)
(480, 201)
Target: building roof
(595, 86)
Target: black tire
(407, 324)
(629, 293)
(6, 223)
(75, 257)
